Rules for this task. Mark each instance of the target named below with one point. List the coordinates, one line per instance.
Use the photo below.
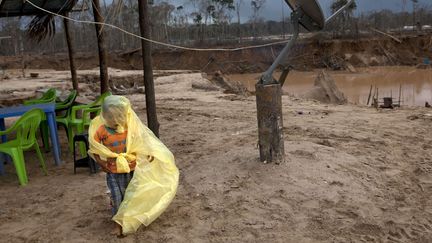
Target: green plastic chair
(25, 129)
(48, 97)
(62, 109)
(65, 108)
(80, 118)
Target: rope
(158, 42)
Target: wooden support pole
(101, 47)
(270, 122)
(23, 65)
(284, 75)
(400, 92)
(145, 29)
(71, 54)
(369, 97)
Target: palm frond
(41, 27)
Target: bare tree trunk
(23, 65)
(166, 37)
(71, 54)
(147, 66)
(101, 46)
(283, 20)
(238, 22)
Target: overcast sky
(273, 8)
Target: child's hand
(132, 164)
(103, 164)
(105, 169)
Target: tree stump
(270, 122)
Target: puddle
(416, 84)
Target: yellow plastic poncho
(154, 184)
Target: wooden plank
(388, 35)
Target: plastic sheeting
(154, 184)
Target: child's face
(115, 120)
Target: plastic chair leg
(45, 135)
(2, 161)
(92, 165)
(71, 134)
(41, 159)
(82, 147)
(65, 128)
(18, 160)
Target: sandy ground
(353, 174)
(15, 88)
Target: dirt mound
(325, 90)
(306, 55)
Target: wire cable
(158, 42)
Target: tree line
(195, 23)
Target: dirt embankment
(307, 54)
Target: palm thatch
(41, 27)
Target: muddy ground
(352, 174)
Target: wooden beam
(144, 21)
(388, 35)
(101, 47)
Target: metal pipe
(267, 77)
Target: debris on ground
(325, 90)
(423, 66)
(426, 116)
(229, 86)
(204, 84)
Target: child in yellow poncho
(121, 143)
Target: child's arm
(132, 164)
(104, 164)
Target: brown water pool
(416, 84)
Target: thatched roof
(11, 8)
